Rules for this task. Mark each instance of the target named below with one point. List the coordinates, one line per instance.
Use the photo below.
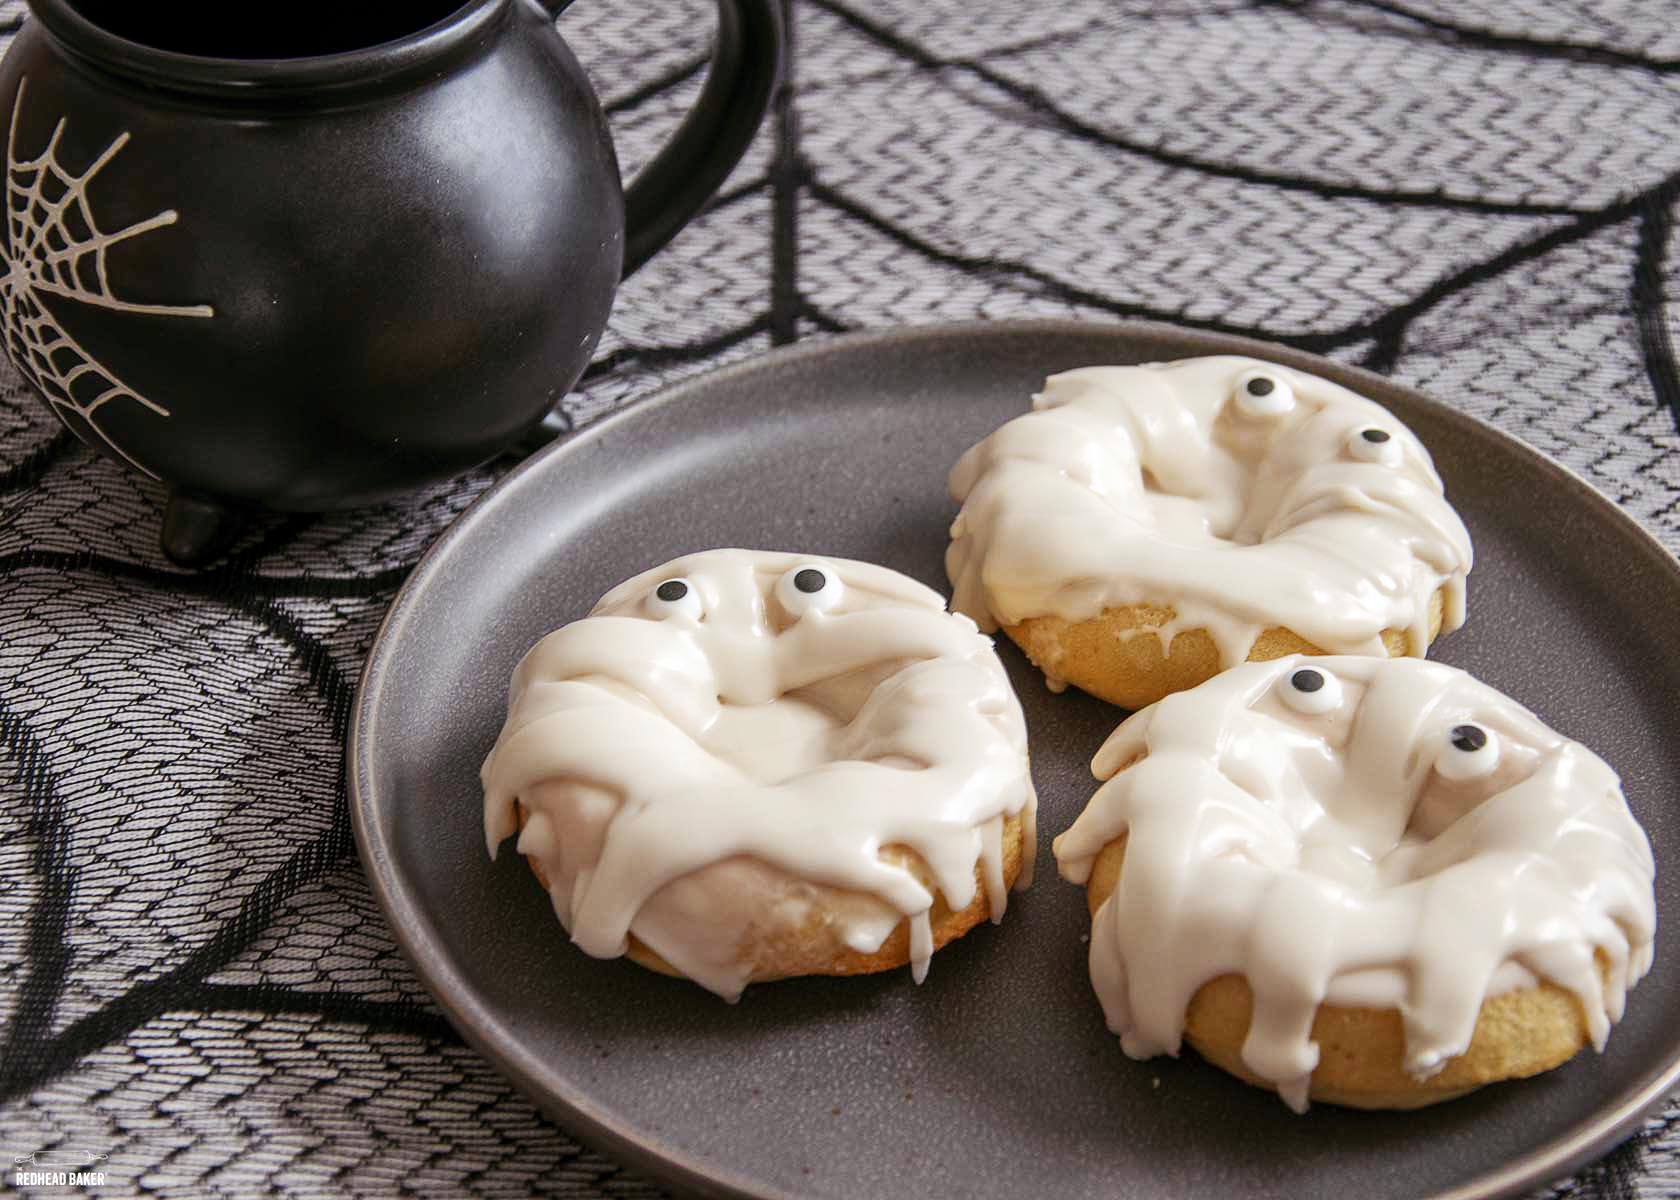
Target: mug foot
(196, 530)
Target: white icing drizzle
(757, 712)
(1328, 858)
(1171, 483)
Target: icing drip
(1346, 856)
(1179, 484)
(740, 707)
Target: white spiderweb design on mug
(55, 247)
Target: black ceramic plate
(996, 1077)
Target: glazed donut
(1373, 882)
(1144, 528)
(745, 766)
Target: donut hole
(1421, 844)
(1249, 482)
(1336, 842)
(1276, 473)
(1212, 521)
(1376, 826)
(1441, 802)
(844, 695)
(800, 730)
(1167, 486)
(773, 742)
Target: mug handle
(667, 192)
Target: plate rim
(577, 1114)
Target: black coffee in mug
(304, 29)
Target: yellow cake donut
(745, 766)
(1145, 527)
(1376, 883)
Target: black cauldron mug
(306, 261)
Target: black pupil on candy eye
(810, 580)
(1307, 681)
(672, 590)
(1260, 387)
(1378, 436)
(1469, 738)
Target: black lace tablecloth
(194, 980)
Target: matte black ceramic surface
(996, 1077)
(305, 274)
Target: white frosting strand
(1347, 856)
(747, 717)
(1171, 484)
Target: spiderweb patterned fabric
(1476, 198)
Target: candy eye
(1468, 752)
(1374, 444)
(676, 598)
(1311, 691)
(1262, 394)
(808, 588)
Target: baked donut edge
(1519, 1034)
(812, 947)
(1117, 655)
